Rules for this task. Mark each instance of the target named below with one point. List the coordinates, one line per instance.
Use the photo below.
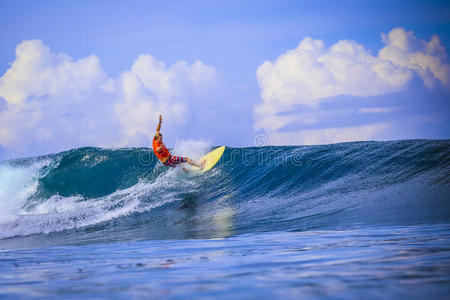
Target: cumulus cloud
(54, 102)
(150, 88)
(427, 59)
(312, 73)
(49, 98)
(38, 72)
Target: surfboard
(211, 159)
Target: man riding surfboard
(163, 153)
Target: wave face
(92, 194)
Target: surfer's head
(158, 137)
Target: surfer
(163, 153)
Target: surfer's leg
(172, 161)
(192, 163)
(176, 160)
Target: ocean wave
(94, 193)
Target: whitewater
(349, 220)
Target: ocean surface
(362, 220)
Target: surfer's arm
(158, 128)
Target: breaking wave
(91, 194)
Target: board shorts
(174, 160)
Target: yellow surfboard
(211, 158)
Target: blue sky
(231, 40)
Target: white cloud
(427, 59)
(312, 73)
(54, 102)
(40, 89)
(307, 118)
(375, 110)
(329, 135)
(37, 72)
(150, 88)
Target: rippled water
(386, 262)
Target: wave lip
(18, 183)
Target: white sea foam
(192, 148)
(17, 183)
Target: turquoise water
(352, 220)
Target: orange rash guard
(163, 153)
